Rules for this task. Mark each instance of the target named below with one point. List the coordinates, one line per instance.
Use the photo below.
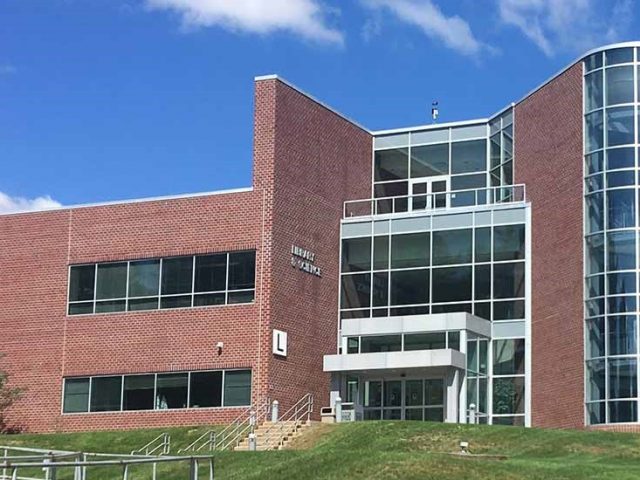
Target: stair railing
(233, 433)
(161, 445)
(273, 437)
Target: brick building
(484, 270)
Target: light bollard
(274, 411)
(338, 409)
(472, 413)
(253, 444)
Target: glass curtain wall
(611, 95)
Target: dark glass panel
(595, 254)
(138, 392)
(237, 388)
(410, 250)
(511, 310)
(356, 254)
(595, 213)
(623, 378)
(410, 287)
(380, 289)
(245, 296)
(410, 311)
(211, 273)
(596, 413)
(508, 395)
(80, 308)
(621, 304)
(451, 284)
(383, 343)
(452, 247)
(414, 396)
(596, 380)
(593, 91)
(621, 208)
(467, 182)
(355, 314)
(76, 395)
(355, 291)
(106, 394)
(81, 282)
(112, 281)
(353, 345)
(593, 61)
(594, 183)
(483, 282)
(618, 55)
(206, 389)
(143, 304)
(171, 391)
(620, 283)
(595, 286)
(620, 158)
(594, 308)
(621, 250)
(595, 338)
(177, 275)
(620, 126)
(623, 412)
(212, 299)
(425, 341)
(620, 87)
(454, 307)
(594, 135)
(430, 160)
(508, 242)
(469, 156)
(482, 310)
(621, 178)
(392, 164)
(242, 270)
(622, 335)
(181, 301)
(454, 340)
(144, 278)
(508, 357)
(392, 397)
(380, 253)
(594, 162)
(483, 244)
(110, 306)
(433, 391)
(495, 150)
(508, 280)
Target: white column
(453, 391)
(462, 411)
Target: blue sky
(113, 99)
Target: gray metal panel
(464, 133)
(380, 227)
(367, 362)
(509, 329)
(390, 141)
(359, 229)
(483, 218)
(410, 224)
(431, 136)
(511, 215)
(453, 221)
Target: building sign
(304, 260)
(280, 343)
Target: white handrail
(291, 420)
(161, 443)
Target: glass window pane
(355, 291)
(623, 381)
(414, 395)
(430, 160)
(76, 395)
(433, 391)
(80, 308)
(511, 310)
(452, 247)
(596, 413)
(472, 356)
(144, 278)
(619, 85)
(237, 388)
(380, 289)
(508, 280)
(620, 412)
(356, 254)
(620, 283)
(483, 244)
(381, 343)
(594, 183)
(595, 308)
(242, 270)
(409, 287)
(206, 389)
(508, 395)
(595, 338)
(373, 393)
(469, 156)
(392, 164)
(138, 392)
(81, 282)
(451, 284)
(618, 55)
(621, 251)
(182, 301)
(593, 93)
(245, 296)
(353, 345)
(410, 250)
(621, 304)
(594, 132)
(620, 126)
(621, 178)
(594, 162)
(482, 310)
(483, 282)
(595, 211)
(453, 340)
(593, 61)
(177, 275)
(467, 182)
(106, 394)
(143, 304)
(595, 254)
(211, 273)
(393, 394)
(112, 280)
(171, 391)
(391, 189)
(621, 208)
(622, 335)
(620, 158)
(425, 341)
(596, 380)
(508, 357)
(508, 242)
(110, 306)
(495, 150)
(595, 286)
(380, 253)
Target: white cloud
(307, 18)
(568, 25)
(453, 31)
(18, 204)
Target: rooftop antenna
(434, 111)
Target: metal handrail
(473, 197)
(213, 440)
(162, 443)
(291, 420)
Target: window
(171, 391)
(106, 393)
(620, 158)
(425, 341)
(483, 244)
(356, 291)
(138, 392)
(620, 126)
(594, 90)
(508, 280)
(206, 389)
(392, 164)
(237, 388)
(380, 253)
(508, 357)
(508, 242)
(619, 85)
(469, 156)
(451, 284)
(356, 254)
(430, 160)
(594, 139)
(223, 278)
(622, 335)
(621, 250)
(410, 250)
(382, 343)
(76, 395)
(452, 247)
(508, 395)
(621, 208)
(409, 287)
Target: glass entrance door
(411, 399)
(430, 192)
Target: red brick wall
(319, 161)
(548, 152)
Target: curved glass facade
(611, 115)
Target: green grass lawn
(393, 450)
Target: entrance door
(429, 192)
(410, 399)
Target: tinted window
(356, 254)
(112, 280)
(171, 391)
(410, 287)
(177, 275)
(452, 246)
(138, 392)
(620, 126)
(355, 292)
(469, 156)
(237, 388)
(410, 250)
(621, 251)
(211, 273)
(621, 208)
(384, 343)
(380, 253)
(81, 282)
(619, 85)
(508, 280)
(451, 284)
(242, 270)
(106, 393)
(508, 357)
(508, 242)
(425, 341)
(206, 389)
(391, 164)
(430, 160)
(483, 244)
(144, 278)
(76, 395)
